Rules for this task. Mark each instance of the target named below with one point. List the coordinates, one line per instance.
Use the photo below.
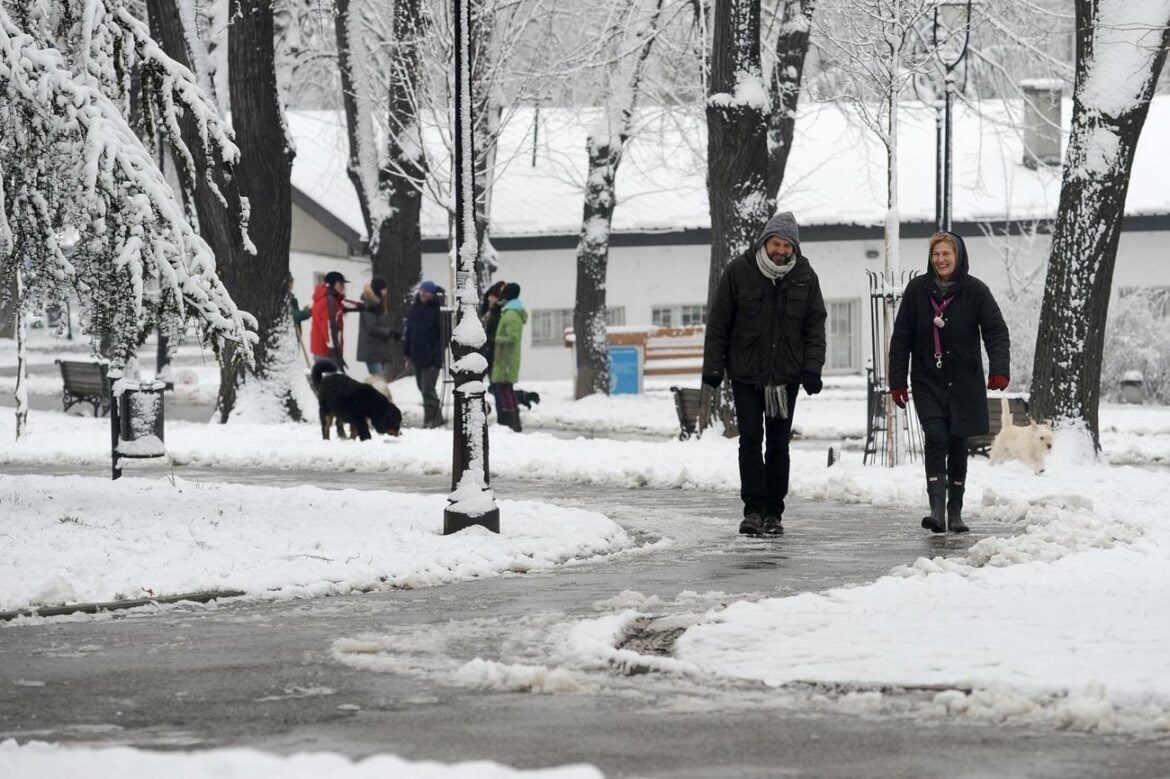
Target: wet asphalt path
(265, 674)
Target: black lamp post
(471, 501)
(949, 18)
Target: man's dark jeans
(763, 480)
(426, 379)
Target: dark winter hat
(784, 225)
(511, 291)
(332, 277)
(378, 284)
(428, 286)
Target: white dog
(1029, 444)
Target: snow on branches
(82, 201)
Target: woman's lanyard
(939, 324)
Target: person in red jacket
(327, 338)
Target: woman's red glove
(901, 396)
(997, 381)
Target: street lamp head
(952, 30)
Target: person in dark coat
(423, 348)
(942, 316)
(766, 330)
(375, 329)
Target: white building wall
(643, 277)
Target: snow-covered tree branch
(85, 205)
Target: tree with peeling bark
(635, 26)
(1121, 48)
(87, 209)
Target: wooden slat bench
(85, 382)
(981, 444)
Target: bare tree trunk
(737, 135)
(259, 284)
(1066, 376)
(390, 192)
(605, 147)
(791, 49)
(589, 322)
(220, 224)
(21, 392)
(486, 130)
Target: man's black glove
(712, 379)
(811, 382)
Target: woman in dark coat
(943, 315)
(375, 330)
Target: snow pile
(40, 759)
(84, 539)
(483, 674)
(1065, 623)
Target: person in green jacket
(506, 364)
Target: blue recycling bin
(625, 370)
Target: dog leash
(939, 324)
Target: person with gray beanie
(766, 332)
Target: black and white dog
(342, 399)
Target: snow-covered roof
(835, 176)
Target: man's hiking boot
(772, 526)
(752, 525)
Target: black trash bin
(137, 418)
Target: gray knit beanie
(784, 225)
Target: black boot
(514, 422)
(955, 507)
(936, 491)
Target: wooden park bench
(981, 444)
(85, 382)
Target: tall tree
(86, 209)
(787, 71)
(388, 179)
(737, 135)
(1121, 48)
(605, 145)
(260, 282)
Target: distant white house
(658, 267)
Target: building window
(690, 316)
(549, 324)
(678, 316)
(844, 335)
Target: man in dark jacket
(937, 331)
(423, 348)
(766, 330)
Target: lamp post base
(454, 521)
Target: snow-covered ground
(48, 760)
